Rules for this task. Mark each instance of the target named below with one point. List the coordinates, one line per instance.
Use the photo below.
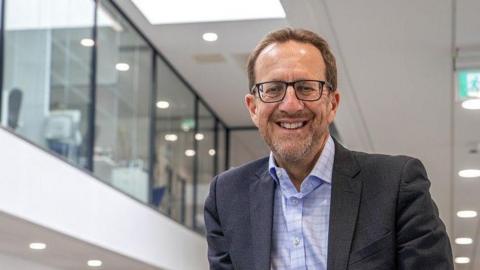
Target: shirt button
(296, 241)
(294, 201)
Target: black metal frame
(195, 165)
(183, 201)
(215, 146)
(92, 107)
(152, 157)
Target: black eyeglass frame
(258, 88)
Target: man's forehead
(279, 49)
(290, 54)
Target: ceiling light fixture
(212, 152)
(467, 214)
(462, 260)
(189, 153)
(463, 241)
(471, 104)
(168, 12)
(469, 173)
(162, 104)
(122, 66)
(171, 137)
(210, 37)
(199, 136)
(38, 246)
(94, 263)
(87, 42)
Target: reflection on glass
(206, 161)
(175, 153)
(47, 74)
(124, 66)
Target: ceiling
(396, 79)
(62, 252)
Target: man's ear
(334, 101)
(251, 104)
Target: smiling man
(312, 204)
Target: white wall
(45, 190)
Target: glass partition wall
(174, 145)
(46, 74)
(82, 82)
(123, 95)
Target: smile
(292, 125)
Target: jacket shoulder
(244, 173)
(381, 162)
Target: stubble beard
(292, 149)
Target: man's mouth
(292, 125)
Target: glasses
(275, 91)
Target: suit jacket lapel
(345, 201)
(261, 217)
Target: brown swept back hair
(299, 35)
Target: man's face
(295, 130)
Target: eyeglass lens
(305, 90)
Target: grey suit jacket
(381, 216)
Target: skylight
(190, 11)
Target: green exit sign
(469, 83)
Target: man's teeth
(291, 125)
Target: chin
(292, 152)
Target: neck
(299, 169)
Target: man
(312, 204)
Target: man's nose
(290, 102)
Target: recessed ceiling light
(171, 137)
(122, 66)
(87, 42)
(189, 153)
(94, 263)
(38, 246)
(463, 241)
(165, 12)
(462, 260)
(211, 152)
(162, 104)
(470, 173)
(467, 214)
(210, 37)
(199, 136)
(471, 104)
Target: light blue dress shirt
(300, 220)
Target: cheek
(322, 115)
(264, 115)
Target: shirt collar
(323, 167)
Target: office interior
(114, 124)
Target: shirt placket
(294, 207)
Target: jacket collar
(261, 195)
(344, 205)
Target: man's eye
(272, 90)
(305, 89)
